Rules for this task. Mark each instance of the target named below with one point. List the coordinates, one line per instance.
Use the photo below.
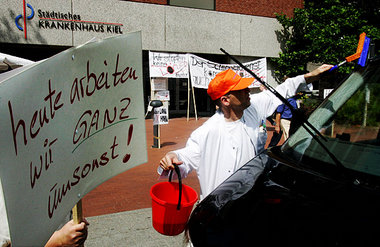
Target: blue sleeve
(280, 108)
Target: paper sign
(168, 65)
(160, 116)
(158, 84)
(202, 71)
(162, 95)
(68, 124)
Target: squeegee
(361, 52)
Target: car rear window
(349, 120)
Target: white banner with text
(168, 65)
(202, 71)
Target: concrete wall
(164, 28)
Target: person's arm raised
(316, 74)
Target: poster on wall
(68, 124)
(202, 71)
(168, 65)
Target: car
(316, 189)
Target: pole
(78, 214)
(156, 136)
(366, 102)
(195, 106)
(188, 99)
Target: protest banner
(168, 65)
(68, 124)
(202, 71)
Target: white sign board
(202, 71)
(68, 124)
(159, 84)
(168, 65)
(162, 95)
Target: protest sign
(68, 124)
(202, 71)
(168, 65)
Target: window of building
(199, 4)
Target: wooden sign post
(77, 212)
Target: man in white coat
(234, 134)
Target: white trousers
(285, 126)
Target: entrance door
(178, 97)
(178, 88)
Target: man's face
(239, 99)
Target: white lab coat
(209, 150)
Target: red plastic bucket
(167, 219)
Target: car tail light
(272, 200)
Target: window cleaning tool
(364, 55)
(361, 52)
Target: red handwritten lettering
(35, 171)
(57, 193)
(44, 116)
(122, 79)
(90, 83)
(88, 122)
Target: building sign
(68, 21)
(202, 71)
(79, 123)
(53, 19)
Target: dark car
(314, 190)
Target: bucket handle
(176, 168)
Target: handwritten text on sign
(202, 71)
(169, 65)
(81, 122)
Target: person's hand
(277, 129)
(166, 163)
(70, 234)
(315, 74)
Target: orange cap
(225, 82)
